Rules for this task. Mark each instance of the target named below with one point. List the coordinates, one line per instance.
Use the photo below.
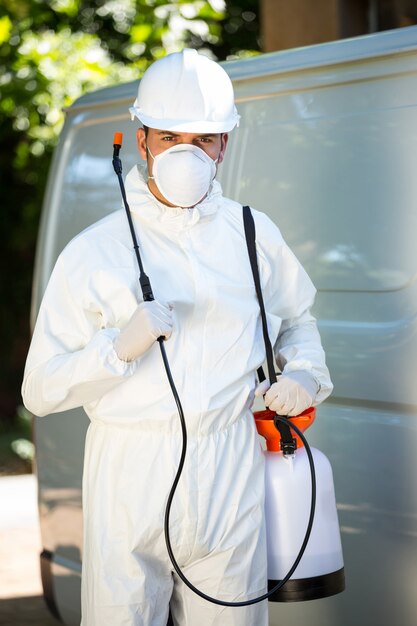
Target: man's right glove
(150, 321)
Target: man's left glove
(292, 394)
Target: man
(94, 345)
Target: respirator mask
(183, 174)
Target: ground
(21, 599)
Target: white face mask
(183, 174)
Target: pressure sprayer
(313, 555)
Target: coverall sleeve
(298, 347)
(289, 296)
(71, 360)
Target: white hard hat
(186, 92)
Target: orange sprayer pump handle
(265, 426)
(118, 139)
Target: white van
(328, 148)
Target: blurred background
(52, 52)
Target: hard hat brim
(185, 126)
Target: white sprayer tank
(320, 573)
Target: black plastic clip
(288, 442)
(117, 165)
(145, 285)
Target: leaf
(140, 32)
(24, 449)
(5, 29)
(68, 7)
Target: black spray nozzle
(117, 144)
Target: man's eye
(167, 138)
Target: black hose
(177, 568)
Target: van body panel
(327, 146)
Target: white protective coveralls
(197, 260)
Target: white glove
(292, 394)
(150, 321)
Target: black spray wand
(144, 281)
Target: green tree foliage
(51, 52)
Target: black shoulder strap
(249, 225)
(288, 443)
